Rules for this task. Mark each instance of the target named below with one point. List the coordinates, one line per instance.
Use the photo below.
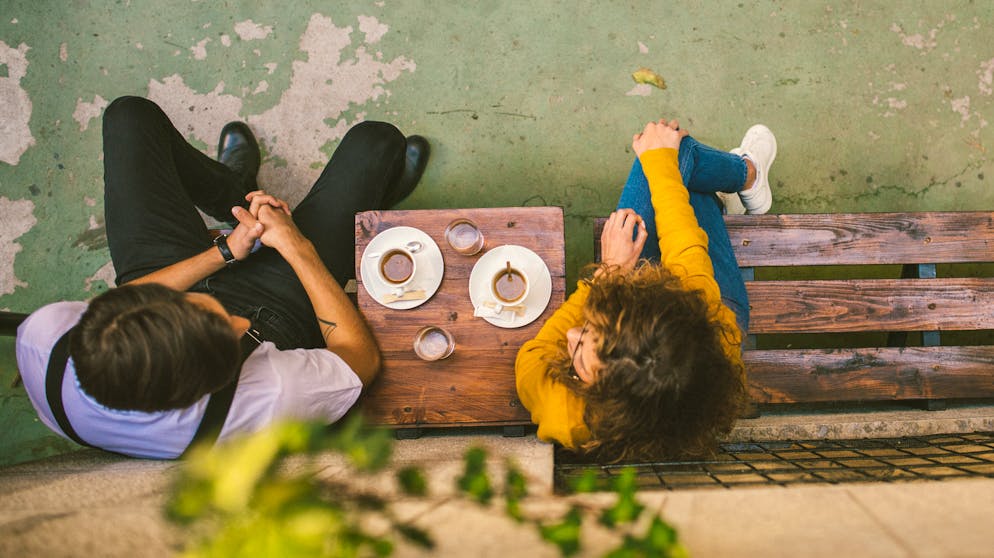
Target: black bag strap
(53, 386)
(218, 404)
(220, 401)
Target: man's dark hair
(148, 348)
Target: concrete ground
(877, 106)
(88, 503)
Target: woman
(644, 361)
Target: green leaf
(382, 547)
(515, 488)
(367, 449)
(587, 482)
(475, 482)
(659, 540)
(627, 508)
(415, 535)
(660, 535)
(566, 534)
(412, 481)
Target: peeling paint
(917, 41)
(106, 274)
(248, 30)
(270, 67)
(15, 105)
(986, 76)
(63, 52)
(226, 40)
(372, 28)
(322, 88)
(85, 112)
(200, 50)
(642, 48)
(16, 218)
(194, 114)
(961, 106)
(640, 90)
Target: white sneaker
(760, 146)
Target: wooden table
(475, 385)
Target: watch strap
(221, 241)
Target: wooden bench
(894, 316)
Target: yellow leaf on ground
(645, 75)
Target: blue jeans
(705, 170)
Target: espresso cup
(433, 343)
(509, 285)
(397, 265)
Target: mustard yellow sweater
(684, 247)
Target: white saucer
(428, 275)
(539, 284)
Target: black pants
(155, 180)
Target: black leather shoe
(239, 151)
(415, 162)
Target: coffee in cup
(464, 237)
(397, 267)
(509, 285)
(433, 343)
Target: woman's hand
(657, 135)
(622, 239)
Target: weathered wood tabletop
(475, 385)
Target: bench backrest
(906, 357)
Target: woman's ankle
(750, 174)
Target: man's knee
(376, 134)
(130, 110)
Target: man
(208, 336)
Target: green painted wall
(877, 106)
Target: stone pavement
(87, 503)
(880, 421)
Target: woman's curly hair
(667, 388)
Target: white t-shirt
(305, 384)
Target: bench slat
(811, 375)
(862, 238)
(870, 305)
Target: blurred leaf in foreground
(627, 508)
(475, 481)
(566, 534)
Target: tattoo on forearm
(327, 327)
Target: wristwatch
(221, 241)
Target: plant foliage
(262, 496)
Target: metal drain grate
(936, 457)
